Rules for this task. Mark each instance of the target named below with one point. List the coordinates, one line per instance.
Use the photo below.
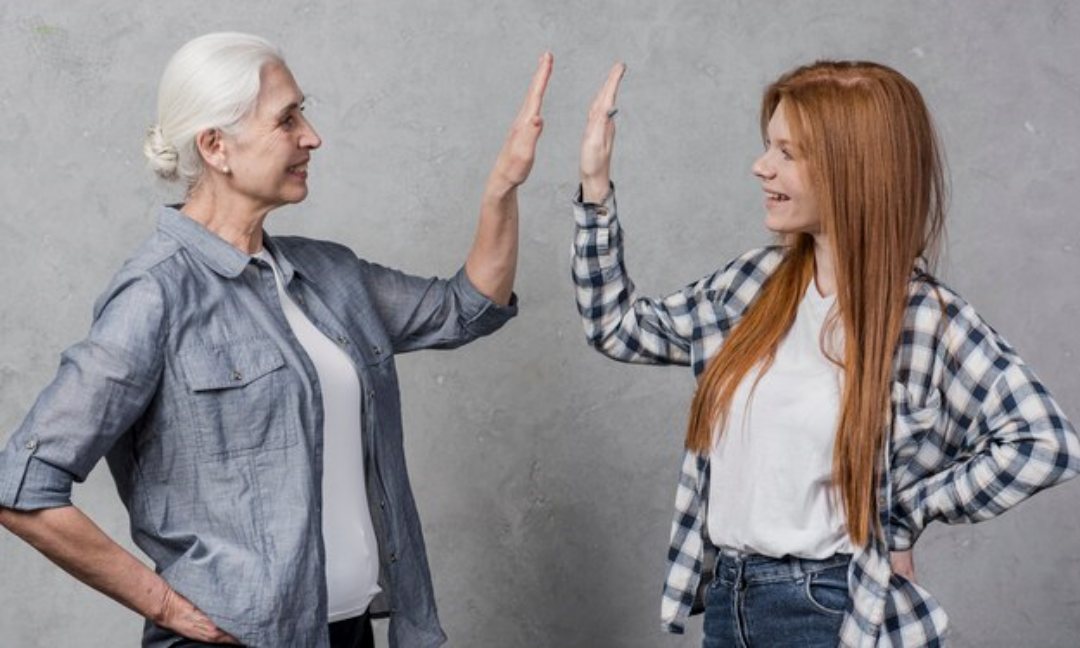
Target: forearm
(595, 187)
(492, 261)
(70, 539)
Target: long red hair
(873, 159)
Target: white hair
(211, 82)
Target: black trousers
(347, 633)
(352, 633)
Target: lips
(776, 196)
(299, 170)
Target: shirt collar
(210, 248)
(284, 265)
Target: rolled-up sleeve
(428, 312)
(103, 385)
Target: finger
(534, 99)
(611, 87)
(605, 97)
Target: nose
(761, 167)
(310, 139)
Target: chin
(787, 226)
(294, 197)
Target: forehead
(778, 123)
(277, 90)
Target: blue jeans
(758, 601)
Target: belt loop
(797, 571)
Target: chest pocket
(241, 397)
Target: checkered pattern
(973, 431)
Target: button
(601, 211)
(382, 504)
(376, 350)
(237, 376)
(393, 557)
(342, 340)
(31, 444)
(371, 393)
(882, 502)
(299, 299)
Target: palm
(516, 158)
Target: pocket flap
(228, 366)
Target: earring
(225, 169)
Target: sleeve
(617, 322)
(103, 385)
(1008, 436)
(428, 312)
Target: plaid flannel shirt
(972, 433)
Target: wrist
(498, 191)
(595, 189)
(159, 602)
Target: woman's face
(268, 156)
(790, 204)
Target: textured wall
(545, 473)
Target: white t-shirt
(352, 556)
(771, 489)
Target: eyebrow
(293, 106)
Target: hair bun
(161, 153)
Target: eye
(787, 154)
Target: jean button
(32, 444)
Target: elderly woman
(243, 389)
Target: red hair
(873, 158)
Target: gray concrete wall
(545, 473)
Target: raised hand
(492, 261)
(600, 138)
(182, 617)
(515, 160)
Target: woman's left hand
(516, 157)
(903, 563)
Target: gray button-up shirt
(209, 413)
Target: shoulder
(140, 281)
(308, 248)
(941, 326)
(743, 276)
(317, 257)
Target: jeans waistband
(756, 568)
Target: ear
(211, 147)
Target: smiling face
(790, 202)
(268, 155)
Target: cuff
(901, 538)
(594, 214)
(481, 315)
(29, 484)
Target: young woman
(846, 398)
(243, 387)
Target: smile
(779, 197)
(298, 169)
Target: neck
(824, 270)
(231, 217)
